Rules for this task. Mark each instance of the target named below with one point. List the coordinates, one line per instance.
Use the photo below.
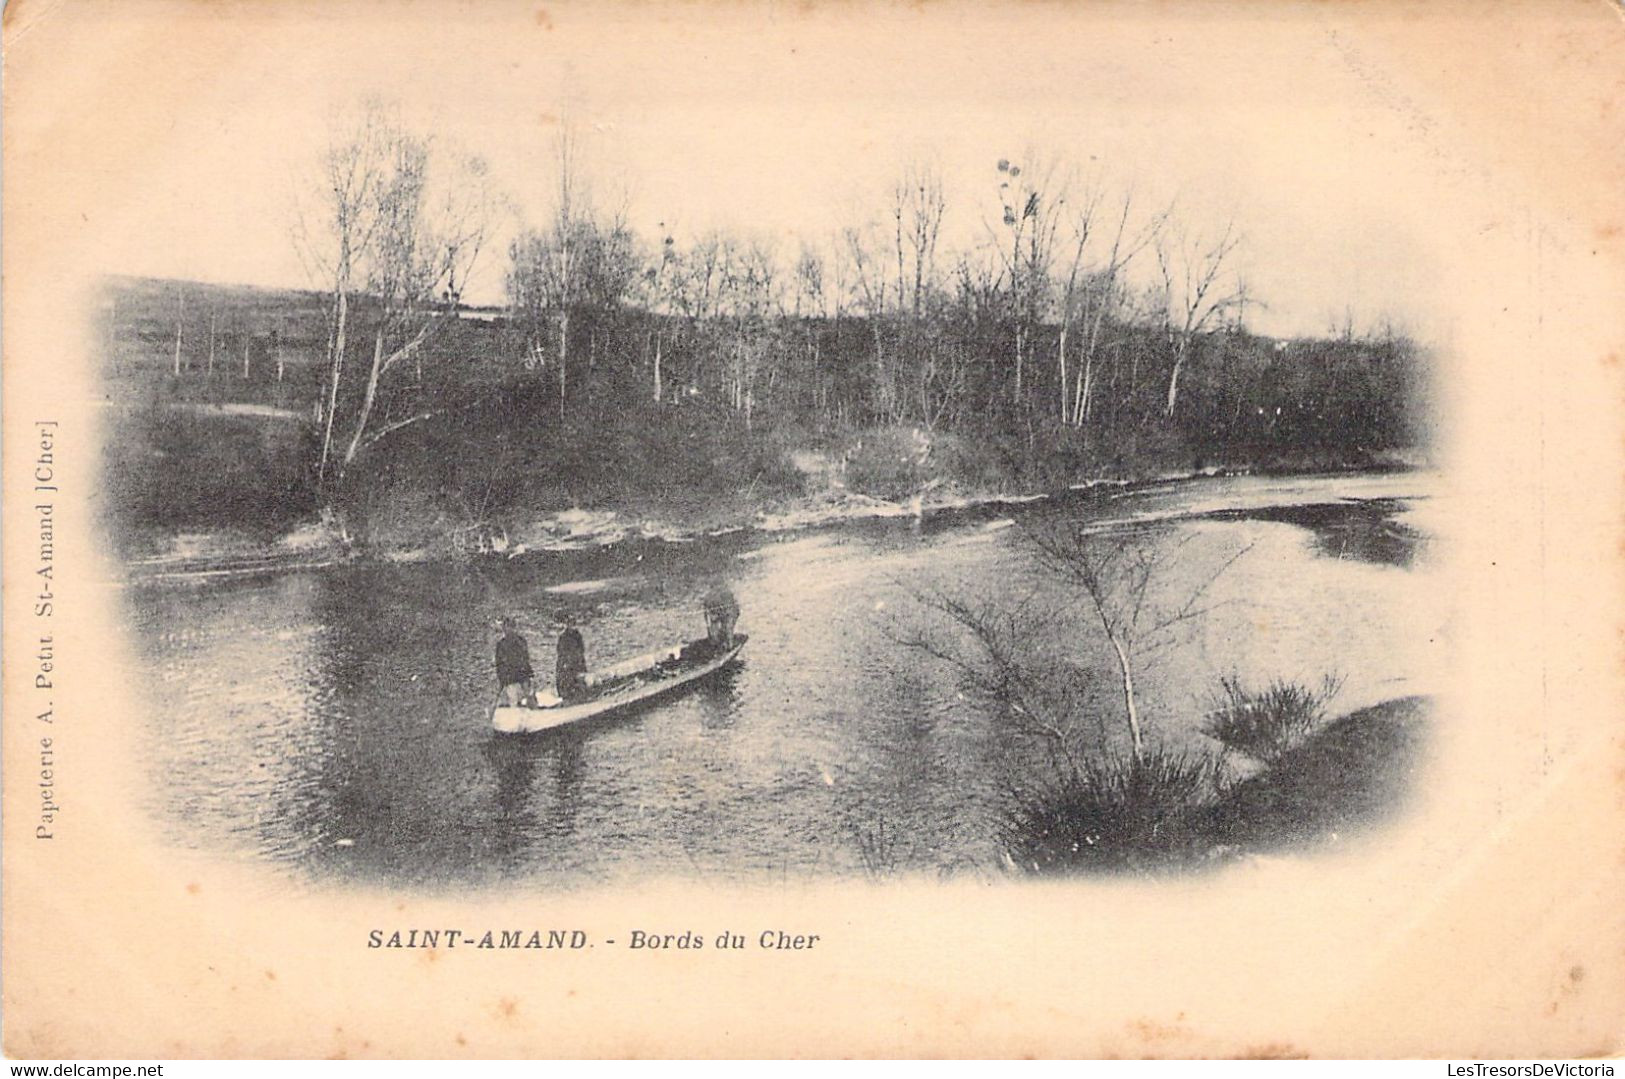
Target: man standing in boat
(721, 612)
(570, 672)
(513, 666)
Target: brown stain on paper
(1273, 1051)
(1150, 1032)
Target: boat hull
(624, 686)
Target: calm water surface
(334, 721)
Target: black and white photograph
(528, 458)
(1010, 495)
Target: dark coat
(513, 660)
(569, 675)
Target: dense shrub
(970, 462)
(1110, 814)
(1264, 724)
(180, 470)
(888, 462)
(897, 462)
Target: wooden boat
(612, 689)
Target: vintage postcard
(864, 529)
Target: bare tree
(433, 216)
(1094, 288)
(1191, 266)
(1013, 664)
(809, 312)
(180, 316)
(545, 280)
(918, 208)
(334, 232)
(661, 285)
(840, 293)
(402, 224)
(1022, 649)
(583, 259)
(750, 287)
(692, 280)
(210, 367)
(887, 270)
(571, 217)
(1120, 575)
(1031, 201)
(866, 277)
(978, 307)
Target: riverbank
(202, 555)
(327, 541)
(1352, 775)
(1180, 812)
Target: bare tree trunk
(882, 383)
(1060, 351)
(211, 343)
(1018, 361)
(1173, 379)
(1133, 382)
(180, 313)
(820, 394)
(1091, 345)
(1126, 669)
(340, 325)
(657, 367)
(367, 399)
(564, 351)
(248, 342)
(1080, 413)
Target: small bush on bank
(888, 462)
(898, 462)
(1265, 724)
(974, 464)
(1112, 814)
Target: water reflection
(336, 720)
(538, 791)
(1368, 531)
(718, 699)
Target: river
(333, 721)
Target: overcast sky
(778, 123)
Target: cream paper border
(1489, 921)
